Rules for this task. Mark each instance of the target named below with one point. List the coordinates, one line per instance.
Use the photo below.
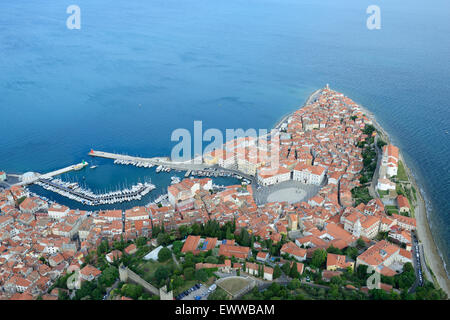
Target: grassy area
(383, 193)
(414, 192)
(187, 284)
(147, 268)
(411, 212)
(392, 211)
(401, 172)
(361, 195)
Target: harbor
(74, 192)
(165, 165)
(108, 177)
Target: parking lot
(190, 294)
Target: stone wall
(127, 275)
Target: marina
(74, 192)
(165, 165)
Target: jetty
(164, 162)
(32, 177)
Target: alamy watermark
(374, 20)
(251, 145)
(373, 282)
(74, 20)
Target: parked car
(212, 288)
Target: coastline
(433, 258)
(286, 116)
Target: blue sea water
(138, 69)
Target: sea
(137, 70)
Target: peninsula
(320, 210)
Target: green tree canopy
(164, 254)
(276, 272)
(319, 257)
(188, 273)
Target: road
(372, 187)
(108, 290)
(417, 263)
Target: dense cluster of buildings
(40, 241)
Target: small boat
(93, 167)
(175, 179)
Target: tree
(164, 254)
(62, 295)
(319, 257)
(108, 276)
(183, 231)
(294, 284)
(155, 231)
(368, 129)
(336, 280)
(161, 273)
(286, 268)
(361, 272)
(163, 238)
(244, 238)
(333, 293)
(97, 294)
(293, 273)
(276, 272)
(102, 248)
(188, 260)
(177, 281)
(381, 143)
(211, 259)
(351, 252)
(131, 290)
(86, 288)
(332, 249)
(177, 246)
(228, 234)
(189, 273)
(407, 278)
(360, 243)
(196, 229)
(141, 241)
(201, 275)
